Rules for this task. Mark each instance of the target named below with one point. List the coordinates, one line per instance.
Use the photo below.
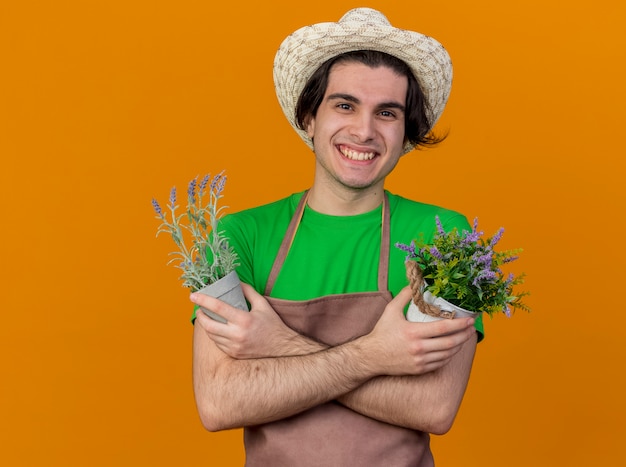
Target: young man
(325, 370)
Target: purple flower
(435, 252)
(510, 258)
(484, 276)
(410, 249)
(496, 238)
(470, 237)
(440, 230)
(203, 184)
(473, 236)
(218, 184)
(173, 197)
(191, 190)
(509, 279)
(484, 260)
(157, 208)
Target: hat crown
(365, 15)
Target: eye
(387, 114)
(344, 106)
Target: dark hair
(417, 125)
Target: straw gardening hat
(309, 47)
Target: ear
(310, 126)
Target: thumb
(402, 299)
(399, 302)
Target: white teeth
(357, 156)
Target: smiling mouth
(356, 155)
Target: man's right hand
(258, 333)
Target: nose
(363, 127)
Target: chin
(357, 185)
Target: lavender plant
(204, 254)
(464, 269)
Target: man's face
(358, 132)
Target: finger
(452, 342)
(445, 327)
(207, 323)
(255, 298)
(215, 305)
(220, 333)
(435, 364)
(201, 319)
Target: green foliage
(464, 269)
(204, 254)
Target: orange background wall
(104, 105)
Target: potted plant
(459, 274)
(204, 255)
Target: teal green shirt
(330, 254)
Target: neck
(344, 202)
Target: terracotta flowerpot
(228, 289)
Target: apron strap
(286, 244)
(383, 262)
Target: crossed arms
(255, 369)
